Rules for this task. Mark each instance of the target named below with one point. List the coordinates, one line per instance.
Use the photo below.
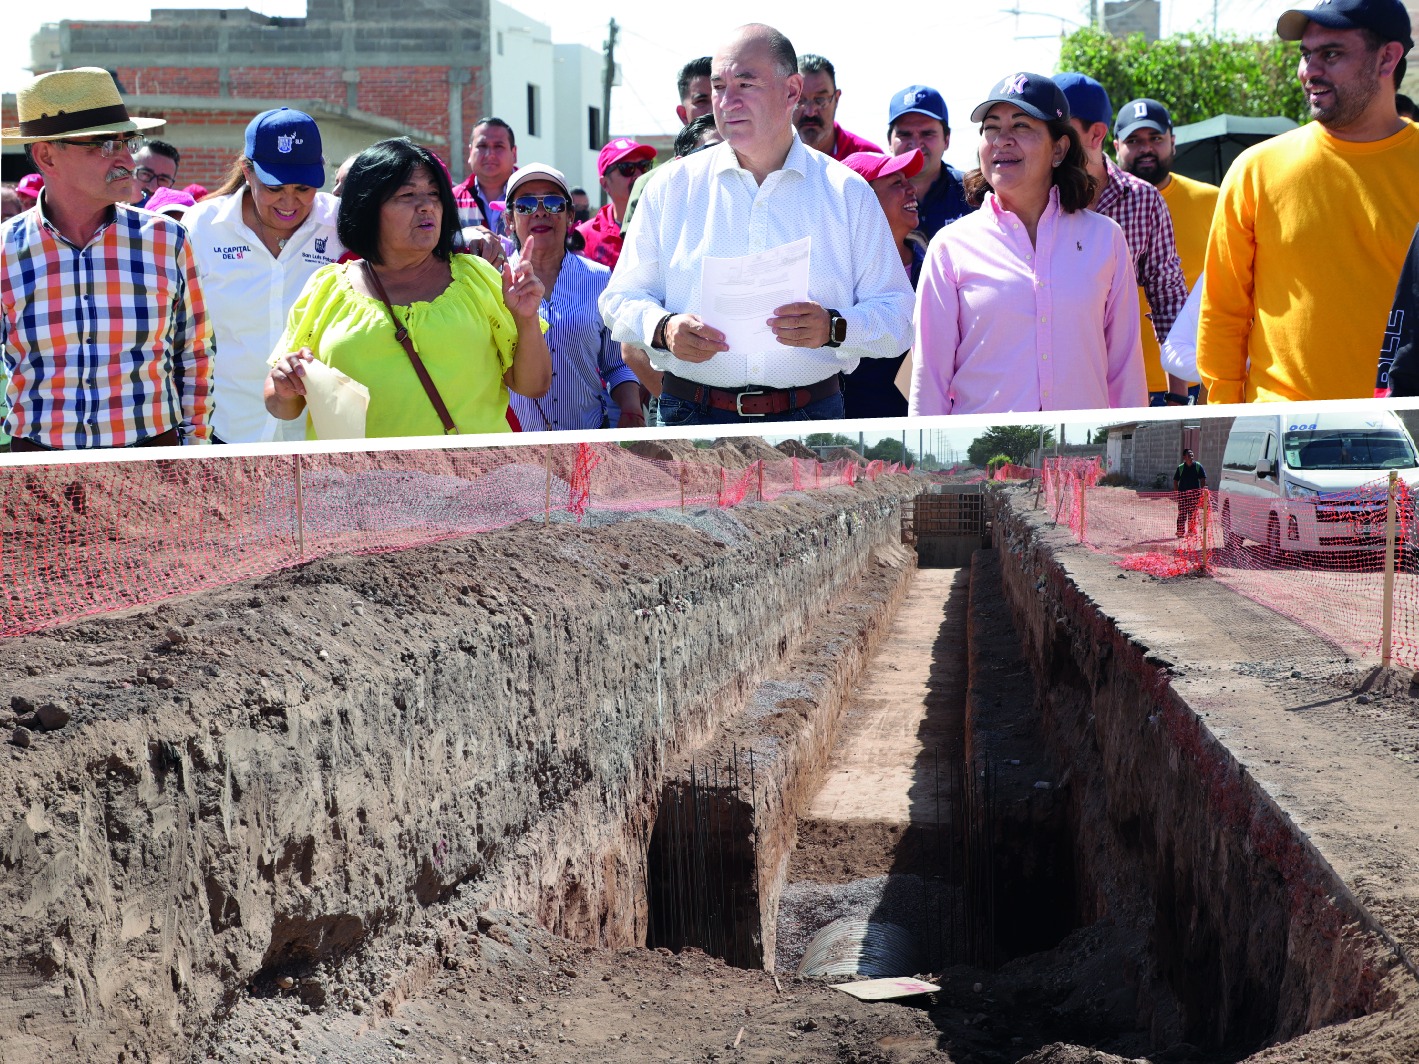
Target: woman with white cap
(591, 387)
(1029, 303)
(257, 240)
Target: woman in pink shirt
(1029, 303)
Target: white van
(1308, 481)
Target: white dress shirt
(1179, 355)
(249, 292)
(707, 204)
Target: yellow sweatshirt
(1191, 204)
(1304, 253)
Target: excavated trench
(662, 733)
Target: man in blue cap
(917, 121)
(1312, 227)
(1139, 210)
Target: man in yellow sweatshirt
(1312, 226)
(1146, 148)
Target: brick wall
(388, 59)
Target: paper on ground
(336, 403)
(885, 989)
(738, 295)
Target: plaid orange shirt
(108, 344)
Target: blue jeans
(674, 412)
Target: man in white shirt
(759, 190)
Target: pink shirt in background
(845, 144)
(1002, 325)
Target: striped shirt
(1147, 226)
(108, 344)
(586, 362)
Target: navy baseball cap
(1088, 100)
(1388, 18)
(1142, 114)
(1034, 94)
(284, 148)
(918, 100)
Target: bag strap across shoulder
(401, 333)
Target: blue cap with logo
(1034, 94)
(1142, 114)
(918, 100)
(1388, 18)
(284, 148)
(1088, 100)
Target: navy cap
(1034, 94)
(284, 148)
(1142, 114)
(1088, 100)
(918, 100)
(1388, 18)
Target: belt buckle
(739, 401)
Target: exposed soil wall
(258, 780)
(1252, 936)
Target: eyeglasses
(641, 166)
(818, 103)
(529, 204)
(144, 174)
(110, 147)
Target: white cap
(536, 172)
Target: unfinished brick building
(365, 69)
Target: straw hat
(72, 103)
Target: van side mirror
(1264, 468)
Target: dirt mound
(746, 449)
(665, 450)
(844, 454)
(1060, 1053)
(794, 449)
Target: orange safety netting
(84, 539)
(1319, 560)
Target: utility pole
(608, 77)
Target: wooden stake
(300, 512)
(682, 487)
(547, 511)
(1206, 513)
(761, 480)
(1387, 633)
(738, 1038)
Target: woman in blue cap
(257, 240)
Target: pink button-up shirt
(1002, 325)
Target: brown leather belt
(170, 438)
(751, 401)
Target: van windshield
(1349, 449)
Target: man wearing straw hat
(104, 332)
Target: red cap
(620, 149)
(30, 185)
(872, 164)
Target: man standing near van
(1189, 482)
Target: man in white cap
(104, 331)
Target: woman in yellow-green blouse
(476, 332)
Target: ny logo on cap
(1014, 86)
(910, 97)
(286, 141)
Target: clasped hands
(803, 324)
